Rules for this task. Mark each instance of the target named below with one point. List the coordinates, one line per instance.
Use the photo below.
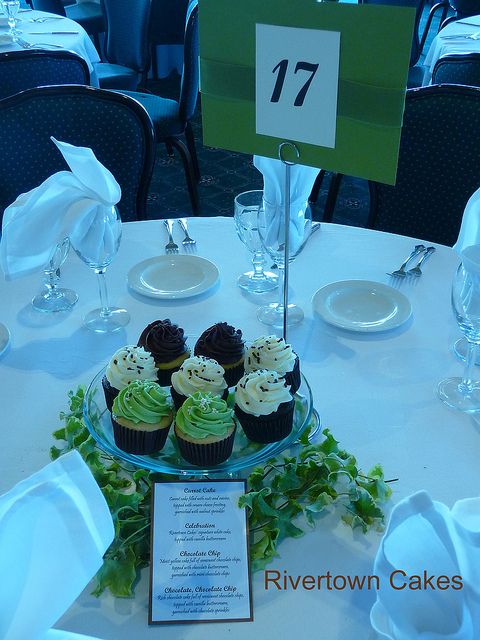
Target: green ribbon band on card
(382, 106)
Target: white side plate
(172, 276)
(361, 305)
(4, 338)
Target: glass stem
(281, 285)
(102, 289)
(466, 384)
(258, 262)
(52, 277)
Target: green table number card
(330, 77)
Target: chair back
(458, 69)
(52, 6)
(31, 68)
(438, 166)
(167, 21)
(116, 127)
(418, 5)
(190, 75)
(126, 37)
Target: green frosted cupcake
(141, 415)
(205, 429)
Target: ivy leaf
(118, 573)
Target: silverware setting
(415, 271)
(188, 243)
(471, 24)
(45, 19)
(461, 36)
(52, 33)
(37, 45)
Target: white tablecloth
(444, 46)
(376, 392)
(80, 42)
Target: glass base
(451, 392)
(101, 323)
(62, 301)
(460, 349)
(256, 284)
(272, 314)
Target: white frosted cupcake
(127, 364)
(274, 354)
(198, 373)
(264, 406)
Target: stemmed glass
(97, 248)
(246, 207)
(55, 298)
(10, 9)
(271, 228)
(464, 393)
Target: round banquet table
(39, 34)
(375, 391)
(446, 46)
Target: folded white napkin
(470, 228)
(301, 182)
(55, 527)
(424, 538)
(68, 203)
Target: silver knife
(52, 33)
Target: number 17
(282, 67)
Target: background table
(376, 392)
(442, 47)
(80, 42)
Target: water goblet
(54, 298)
(97, 249)
(246, 206)
(464, 393)
(271, 228)
(10, 9)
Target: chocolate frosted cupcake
(264, 406)
(142, 414)
(127, 364)
(274, 354)
(223, 343)
(198, 374)
(205, 429)
(167, 344)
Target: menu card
(199, 570)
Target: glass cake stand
(245, 453)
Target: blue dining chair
(438, 166)
(88, 14)
(126, 46)
(171, 118)
(458, 68)
(29, 68)
(114, 126)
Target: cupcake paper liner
(138, 441)
(110, 393)
(272, 428)
(233, 375)
(206, 455)
(293, 377)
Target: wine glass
(10, 9)
(97, 248)
(271, 228)
(246, 206)
(52, 297)
(464, 393)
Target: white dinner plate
(173, 276)
(4, 338)
(361, 305)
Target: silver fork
(37, 45)
(416, 271)
(400, 272)
(170, 247)
(45, 19)
(187, 242)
